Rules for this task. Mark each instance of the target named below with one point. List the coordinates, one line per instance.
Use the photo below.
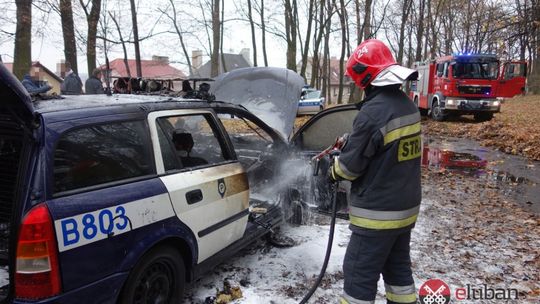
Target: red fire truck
(466, 84)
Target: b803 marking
(97, 224)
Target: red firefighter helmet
(368, 60)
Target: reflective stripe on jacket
(382, 159)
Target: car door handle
(194, 196)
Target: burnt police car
(126, 198)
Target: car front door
(208, 187)
(512, 80)
(317, 134)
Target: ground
(473, 229)
(468, 232)
(516, 130)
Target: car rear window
(101, 154)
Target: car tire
(483, 116)
(159, 277)
(436, 112)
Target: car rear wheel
(158, 278)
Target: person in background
(32, 84)
(72, 84)
(93, 84)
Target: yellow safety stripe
(381, 224)
(401, 132)
(407, 298)
(343, 301)
(341, 172)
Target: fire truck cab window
(445, 70)
(440, 68)
(476, 70)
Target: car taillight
(37, 275)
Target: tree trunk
(222, 54)
(420, 30)
(319, 32)
(68, 31)
(359, 31)
(367, 20)
(136, 38)
(305, 53)
(263, 29)
(404, 16)
(291, 34)
(180, 35)
(326, 57)
(344, 43)
(216, 26)
(23, 39)
(534, 84)
(252, 26)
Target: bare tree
(178, 30)
(216, 26)
(305, 52)
(406, 8)
(291, 20)
(23, 38)
(136, 40)
(119, 30)
(263, 31)
(252, 26)
(92, 11)
(68, 31)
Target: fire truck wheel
(159, 277)
(483, 116)
(436, 112)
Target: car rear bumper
(103, 291)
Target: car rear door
(512, 80)
(208, 187)
(105, 197)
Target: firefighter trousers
(369, 256)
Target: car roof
(81, 106)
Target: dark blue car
(126, 199)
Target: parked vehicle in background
(466, 84)
(310, 101)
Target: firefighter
(382, 160)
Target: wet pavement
(515, 176)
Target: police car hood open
(271, 94)
(15, 98)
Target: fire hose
(332, 152)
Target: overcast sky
(47, 42)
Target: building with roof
(227, 63)
(157, 68)
(44, 75)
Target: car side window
(102, 153)
(194, 141)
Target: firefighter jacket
(382, 160)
